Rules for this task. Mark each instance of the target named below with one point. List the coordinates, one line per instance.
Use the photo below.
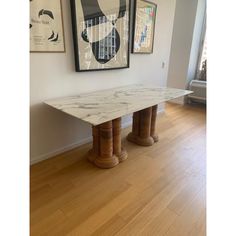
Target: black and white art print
(46, 26)
(101, 34)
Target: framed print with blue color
(144, 26)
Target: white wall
(189, 15)
(53, 75)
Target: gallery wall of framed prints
(144, 26)
(101, 31)
(101, 34)
(46, 26)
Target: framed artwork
(46, 26)
(144, 26)
(101, 34)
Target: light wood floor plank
(158, 190)
(188, 222)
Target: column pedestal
(143, 129)
(107, 151)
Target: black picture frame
(136, 25)
(78, 37)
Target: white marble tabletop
(105, 105)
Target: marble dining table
(103, 109)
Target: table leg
(143, 129)
(117, 147)
(107, 151)
(106, 159)
(136, 123)
(153, 123)
(134, 135)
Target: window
(204, 53)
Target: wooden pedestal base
(107, 151)
(144, 124)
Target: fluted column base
(143, 130)
(107, 151)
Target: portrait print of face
(46, 26)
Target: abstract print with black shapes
(103, 34)
(111, 42)
(109, 54)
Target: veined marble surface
(105, 105)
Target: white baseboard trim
(75, 145)
(60, 150)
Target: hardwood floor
(158, 190)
